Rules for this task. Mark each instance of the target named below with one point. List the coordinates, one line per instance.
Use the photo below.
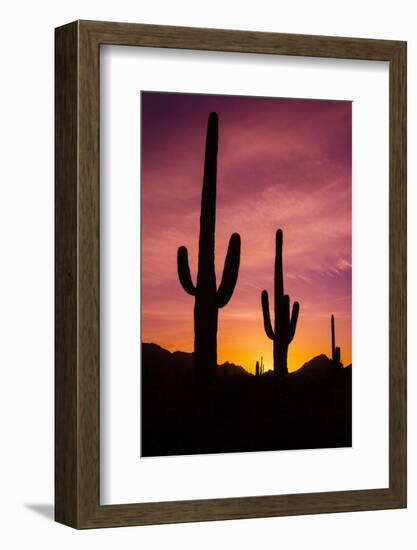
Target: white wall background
(26, 273)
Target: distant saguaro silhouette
(209, 298)
(257, 372)
(335, 350)
(284, 326)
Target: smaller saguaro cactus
(284, 324)
(259, 367)
(335, 350)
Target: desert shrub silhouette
(209, 298)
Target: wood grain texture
(66, 345)
(398, 273)
(77, 403)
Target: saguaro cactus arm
(184, 273)
(267, 317)
(230, 271)
(294, 319)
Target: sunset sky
(283, 163)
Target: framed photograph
(230, 274)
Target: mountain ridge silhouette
(239, 412)
(184, 360)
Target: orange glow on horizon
(282, 163)
(251, 343)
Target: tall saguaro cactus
(209, 298)
(335, 350)
(284, 325)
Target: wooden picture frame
(77, 403)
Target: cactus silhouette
(257, 372)
(209, 298)
(335, 350)
(284, 326)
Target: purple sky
(283, 163)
